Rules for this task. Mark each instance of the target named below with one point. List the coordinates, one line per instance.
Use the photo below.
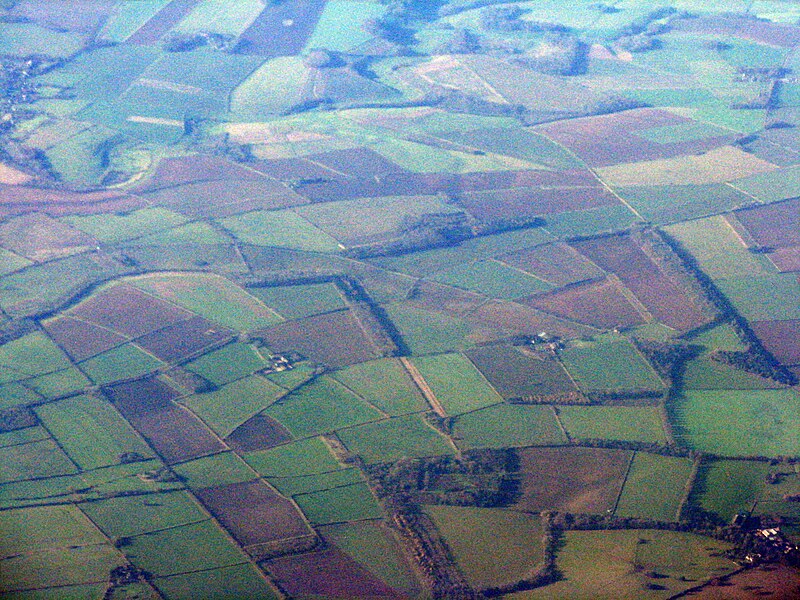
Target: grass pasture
(384, 384)
(285, 229)
(123, 362)
(38, 528)
(304, 457)
(228, 407)
(34, 459)
(128, 18)
(728, 487)
(505, 425)
(227, 583)
(298, 301)
(739, 422)
(493, 279)
(456, 383)
(623, 423)
(218, 469)
(319, 407)
(491, 546)
(427, 332)
(341, 25)
(134, 515)
(340, 505)
(33, 354)
(393, 439)
(307, 484)
(764, 298)
(609, 365)
(229, 363)
(91, 431)
(212, 297)
(194, 547)
(654, 487)
(615, 564)
(275, 86)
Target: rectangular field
(623, 423)
(507, 425)
(654, 487)
(613, 365)
(393, 439)
(456, 383)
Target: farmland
(399, 298)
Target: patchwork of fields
(409, 299)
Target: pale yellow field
(715, 166)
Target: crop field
(175, 433)
(599, 304)
(335, 339)
(280, 228)
(625, 423)
(238, 581)
(34, 459)
(307, 484)
(258, 433)
(319, 407)
(673, 203)
(372, 545)
(576, 480)
(622, 561)
(175, 343)
(123, 362)
(708, 374)
(515, 373)
(507, 425)
(224, 468)
(780, 338)
(146, 550)
(491, 546)
(39, 237)
(134, 515)
(298, 301)
(558, 264)
(91, 431)
(774, 225)
(739, 422)
(764, 298)
(32, 354)
(384, 384)
(253, 513)
(578, 223)
(456, 383)
(326, 573)
(212, 297)
(281, 29)
(393, 439)
(654, 486)
(230, 406)
(717, 248)
(613, 364)
(342, 504)
(310, 456)
(493, 279)
(229, 363)
(211, 15)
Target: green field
(128, 17)
(221, 17)
(123, 362)
(319, 407)
(219, 469)
(373, 545)
(38, 528)
(285, 229)
(304, 457)
(91, 431)
(227, 583)
(456, 383)
(134, 515)
(33, 354)
(15, 394)
(340, 505)
(493, 279)
(275, 86)
(614, 365)
(393, 439)
(298, 301)
(385, 384)
(229, 363)
(739, 422)
(730, 487)
(717, 248)
(578, 223)
(654, 487)
(709, 374)
(624, 423)
(670, 204)
(190, 233)
(306, 484)
(10, 262)
(341, 25)
(25, 39)
(223, 410)
(211, 296)
(506, 425)
(616, 564)
(773, 186)
(764, 298)
(428, 332)
(491, 546)
(60, 383)
(195, 547)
